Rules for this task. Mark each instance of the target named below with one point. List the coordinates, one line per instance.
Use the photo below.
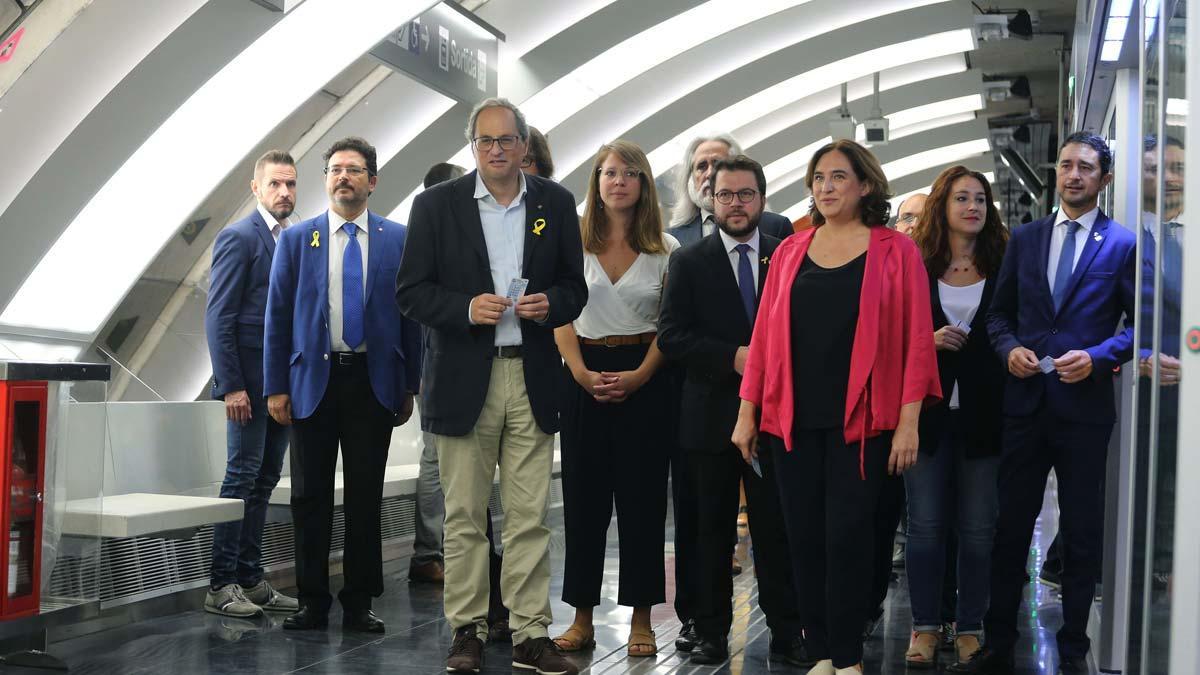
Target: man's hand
(237, 407)
(280, 407)
(739, 360)
(1074, 366)
(904, 449)
(486, 308)
(535, 307)
(949, 338)
(1022, 362)
(406, 410)
(1168, 369)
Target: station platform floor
(417, 635)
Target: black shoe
(985, 662)
(688, 637)
(499, 631)
(362, 621)
(1072, 666)
(1050, 578)
(791, 650)
(307, 618)
(710, 651)
(542, 655)
(466, 652)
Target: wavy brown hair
(932, 234)
(874, 209)
(646, 233)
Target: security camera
(842, 126)
(877, 130)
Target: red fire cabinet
(23, 452)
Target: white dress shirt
(708, 223)
(338, 240)
(1059, 234)
(735, 258)
(504, 234)
(630, 306)
(276, 227)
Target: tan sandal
(575, 639)
(965, 646)
(640, 637)
(922, 649)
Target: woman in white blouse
(615, 436)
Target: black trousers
(351, 416)
(1032, 446)
(887, 519)
(716, 475)
(614, 452)
(829, 509)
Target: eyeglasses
(485, 143)
(627, 174)
(744, 196)
(908, 218)
(526, 161)
(348, 170)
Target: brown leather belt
(620, 340)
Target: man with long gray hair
(692, 216)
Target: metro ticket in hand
(516, 288)
(1046, 365)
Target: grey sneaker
(230, 601)
(269, 599)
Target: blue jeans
(948, 489)
(252, 467)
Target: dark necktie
(1066, 264)
(352, 289)
(746, 280)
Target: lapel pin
(381, 229)
(316, 240)
(1097, 236)
(539, 225)
(765, 260)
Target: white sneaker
(822, 667)
(229, 600)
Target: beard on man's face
(734, 231)
(699, 199)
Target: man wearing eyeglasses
(908, 216)
(493, 264)
(692, 216)
(707, 320)
(341, 367)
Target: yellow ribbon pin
(316, 240)
(538, 226)
(765, 260)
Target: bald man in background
(909, 213)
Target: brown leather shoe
(466, 652)
(542, 655)
(431, 572)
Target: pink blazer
(892, 361)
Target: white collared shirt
(708, 223)
(338, 240)
(1059, 234)
(504, 234)
(735, 258)
(276, 227)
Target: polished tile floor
(417, 637)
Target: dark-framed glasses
(612, 174)
(908, 218)
(348, 170)
(526, 161)
(744, 196)
(485, 143)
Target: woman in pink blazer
(841, 363)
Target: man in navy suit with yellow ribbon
(1065, 284)
(341, 367)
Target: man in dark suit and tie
(707, 319)
(1066, 281)
(233, 324)
(692, 217)
(342, 366)
(494, 263)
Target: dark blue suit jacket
(237, 304)
(771, 224)
(1100, 292)
(297, 328)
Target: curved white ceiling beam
(538, 21)
(43, 303)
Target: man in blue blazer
(341, 365)
(1065, 284)
(233, 324)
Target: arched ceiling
(151, 146)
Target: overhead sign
(447, 49)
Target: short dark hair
(539, 152)
(739, 163)
(273, 157)
(356, 144)
(442, 172)
(1094, 142)
(1151, 142)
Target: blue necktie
(746, 280)
(352, 290)
(1066, 263)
